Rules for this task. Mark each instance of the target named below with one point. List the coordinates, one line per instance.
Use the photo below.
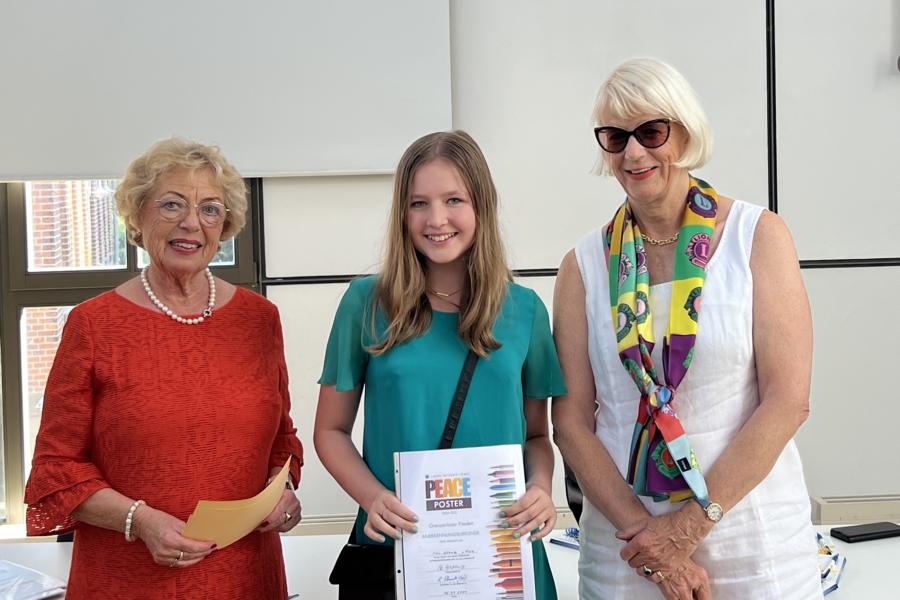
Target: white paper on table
(460, 549)
(21, 583)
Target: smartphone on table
(869, 531)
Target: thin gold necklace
(446, 296)
(443, 294)
(656, 242)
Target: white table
(308, 561)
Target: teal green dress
(408, 390)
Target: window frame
(20, 289)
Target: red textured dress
(171, 414)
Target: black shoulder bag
(366, 571)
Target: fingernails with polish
(397, 536)
(504, 525)
(415, 529)
(415, 518)
(517, 535)
(502, 514)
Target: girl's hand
(533, 512)
(161, 533)
(387, 515)
(285, 516)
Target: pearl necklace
(166, 310)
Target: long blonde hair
(401, 288)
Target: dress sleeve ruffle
(345, 355)
(542, 375)
(62, 473)
(286, 443)
(54, 491)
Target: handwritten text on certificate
(461, 550)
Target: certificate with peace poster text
(461, 550)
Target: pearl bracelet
(130, 518)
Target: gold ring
(287, 516)
(661, 576)
(647, 571)
(180, 555)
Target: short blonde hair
(161, 158)
(647, 86)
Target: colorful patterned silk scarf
(661, 464)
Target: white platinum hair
(653, 88)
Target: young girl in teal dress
(402, 337)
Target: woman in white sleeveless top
(738, 381)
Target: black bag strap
(459, 398)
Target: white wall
(847, 442)
(325, 225)
(839, 126)
(306, 313)
(838, 93)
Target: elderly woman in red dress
(170, 389)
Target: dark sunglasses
(651, 134)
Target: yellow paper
(225, 522)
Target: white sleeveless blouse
(764, 547)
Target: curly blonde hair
(163, 157)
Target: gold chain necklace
(656, 242)
(445, 296)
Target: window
(62, 242)
(73, 226)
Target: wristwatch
(714, 511)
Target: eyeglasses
(651, 134)
(175, 209)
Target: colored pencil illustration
(511, 584)
(508, 563)
(506, 573)
(501, 487)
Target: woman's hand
(285, 516)
(661, 542)
(532, 512)
(161, 533)
(386, 515)
(687, 582)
